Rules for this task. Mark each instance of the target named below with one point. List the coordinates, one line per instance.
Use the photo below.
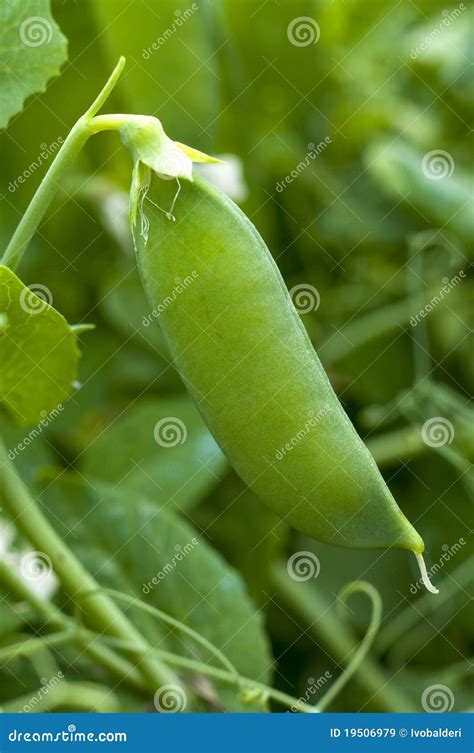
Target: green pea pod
(246, 359)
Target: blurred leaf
(127, 542)
(170, 72)
(160, 448)
(251, 548)
(432, 183)
(125, 306)
(32, 50)
(38, 351)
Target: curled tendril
(357, 586)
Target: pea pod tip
(424, 574)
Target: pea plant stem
(77, 581)
(31, 645)
(224, 675)
(69, 631)
(53, 179)
(86, 696)
(361, 330)
(20, 590)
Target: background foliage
(364, 225)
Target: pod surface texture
(245, 357)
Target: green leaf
(38, 351)
(129, 542)
(225, 516)
(32, 50)
(124, 305)
(160, 448)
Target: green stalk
(18, 587)
(76, 580)
(359, 331)
(224, 675)
(80, 696)
(31, 645)
(52, 615)
(51, 182)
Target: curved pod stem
(51, 182)
(76, 580)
